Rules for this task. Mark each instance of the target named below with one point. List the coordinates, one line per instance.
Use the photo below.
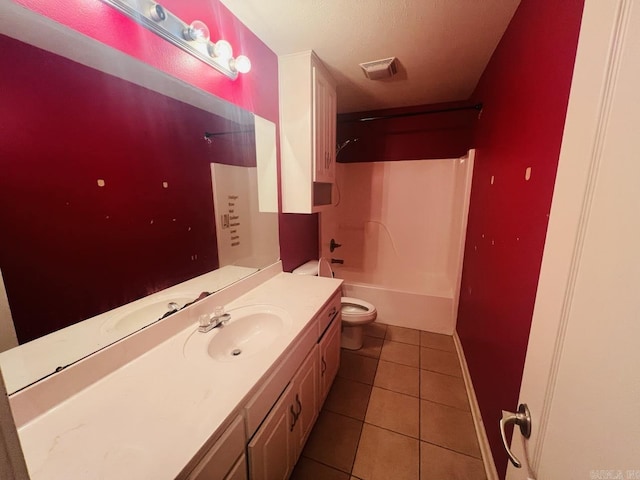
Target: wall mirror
(111, 170)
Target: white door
(582, 372)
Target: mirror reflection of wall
(245, 235)
(106, 192)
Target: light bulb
(240, 64)
(221, 50)
(197, 32)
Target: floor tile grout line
(396, 391)
(400, 341)
(420, 413)
(453, 450)
(398, 363)
(333, 467)
(343, 414)
(442, 373)
(438, 349)
(357, 381)
(445, 405)
(394, 431)
(357, 443)
(403, 343)
(363, 422)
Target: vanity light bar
(193, 38)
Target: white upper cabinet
(307, 132)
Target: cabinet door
(320, 158)
(329, 357)
(239, 470)
(219, 460)
(331, 113)
(272, 449)
(306, 399)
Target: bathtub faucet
(337, 260)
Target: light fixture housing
(157, 13)
(192, 38)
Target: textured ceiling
(442, 46)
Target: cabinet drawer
(223, 455)
(331, 309)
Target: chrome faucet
(209, 322)
(172, 307)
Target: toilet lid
(324, 268)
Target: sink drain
(235, 352)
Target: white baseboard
(485, 450)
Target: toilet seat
(356, 311)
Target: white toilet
(356, 313)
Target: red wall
(438, 135)
(525, 90)
(256, 91)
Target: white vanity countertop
(38, 358)
(149, 418)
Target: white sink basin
(137, 315)
(251, 330)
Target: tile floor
(398, 410)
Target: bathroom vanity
(236, 402)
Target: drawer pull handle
(294, 419)
(332, 312)
(324, 366)
(299, 406)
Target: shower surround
(401, 226)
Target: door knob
(523, 420)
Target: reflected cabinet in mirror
(114, 193)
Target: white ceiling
(442, 46)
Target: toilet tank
(315, 267)
(309, 268)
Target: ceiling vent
(379, 69)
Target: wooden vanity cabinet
(239, 470)
(306, 400)
(329, 350)
(272, 452)
(279, 417)
(274, 449)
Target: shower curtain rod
(477, 106)
(219, 134)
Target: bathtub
(433, 312)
